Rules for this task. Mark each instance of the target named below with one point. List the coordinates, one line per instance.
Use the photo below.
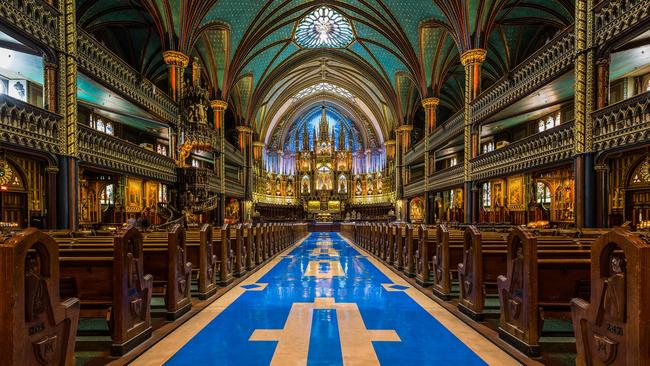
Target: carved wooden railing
(623, 123)
(28, 126)
(199, 179)
(110, 152)
(613, 19)
(544, 148)
(233, 154)
(34, 17)
(446, 178)
(414, 187)
(544, 65)
(103, 65)
(451, 128)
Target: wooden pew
(424, 256)
(535, 287)
(259, 246)
(484, 259)
(37, 328)
(249, 246)
(208, 262)
(166, 259)
(114, 287)
(223, 248)
(448, 249)
(613, 327)
(410, 243)
(235, 236)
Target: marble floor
(324, 302)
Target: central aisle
(324, 303)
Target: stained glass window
(324, 28)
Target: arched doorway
(637, 194)
(13, 194)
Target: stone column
(49, 86)
(583, 106)
(472, 60)
(430, 105)
(602, 192)
(602, 82)
(51, 173)
(218, 108)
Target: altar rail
(110, 152)
(28, 126)
(544, 148)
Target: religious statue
(614, 303)
(305, 184)
(290, 188)
(359, 190)
(35, 288)
(369, 185)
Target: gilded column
(218, 108)
(65, 99)
(583, 106)
(246, 146)
(430, 105)
(472, 61)
(177, 62)
(402, 134)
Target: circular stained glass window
(324, 28)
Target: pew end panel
(179, 274)
(519, 323)
(612, 328)
(37, 327)
(132, 291)
(207, 283)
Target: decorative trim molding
(176, 58)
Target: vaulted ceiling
(403, 50)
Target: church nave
(324, 302)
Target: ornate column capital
(52, 169)
(601, 168)
(259, 144)
(431, 102)
(176, 58)
(404, 128)
(219, 105)
(473, 56)
(244, 129)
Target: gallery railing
(99, 149)
(624, 123)
(541, 149)
(28, 126)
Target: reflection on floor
(324, 303)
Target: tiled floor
(324, 303)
